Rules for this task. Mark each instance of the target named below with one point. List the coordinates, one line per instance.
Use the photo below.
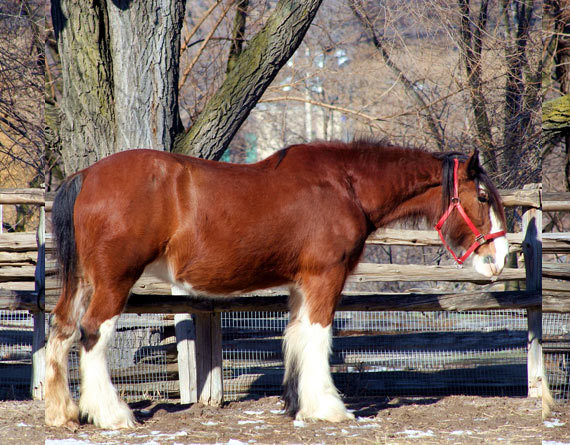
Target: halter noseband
(456, 204)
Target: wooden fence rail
(200, 335)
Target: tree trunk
(471, 47)
(120, 63)
(254, 70)
(87, 112)
(559, 13)
(145, 39)
(238, 33)
(120, 74)
(522, 102)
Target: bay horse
(298, 218)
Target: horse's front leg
(309, 391)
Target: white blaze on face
(489, 266)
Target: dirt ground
(449, 420)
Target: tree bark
(522, 102)
(87, 112)
(145, 42)
(238, 33)
(120, 63)
(559, 13)
(254, 70)
(120, 74)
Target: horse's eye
(483, 198)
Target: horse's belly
(205, 280)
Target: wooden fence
(29, 283)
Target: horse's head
(473, 216)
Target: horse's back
(221, 227)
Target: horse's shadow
(146, 409)
(360, 407)
(370, 407)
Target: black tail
(63, 230)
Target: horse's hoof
(71, 425)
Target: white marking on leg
(307, 348)
(60, 409)
(80, 301)
(99, 399)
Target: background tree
(22, 161)
(120, 77)
(556, 126)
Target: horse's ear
(473, 166)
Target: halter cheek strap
(456, 204)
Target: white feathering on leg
(307, 347)
(99, 399)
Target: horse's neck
(395, 188)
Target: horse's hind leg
(99, 401)
(60, 409)
(309, 389)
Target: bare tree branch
(190, 66)
(254, 70)
(434, 128)
(471, 45)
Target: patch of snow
(277, 411)
(169, 436)
(253, 413)
(461, 433)
(553, 423)
(137, 435)
(66, 442)
(415, 434)
(244, 422)
(209, 423)
(552, 442)
(365, 419)
(362, 427)
(179, 434)
(236, 442)
(298, 424)
(110, 433)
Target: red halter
(456, 204)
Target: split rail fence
(27, 282)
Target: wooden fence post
(199, 347)
(532, 250)
(39, 335)
(186, 352)
(209, 358)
